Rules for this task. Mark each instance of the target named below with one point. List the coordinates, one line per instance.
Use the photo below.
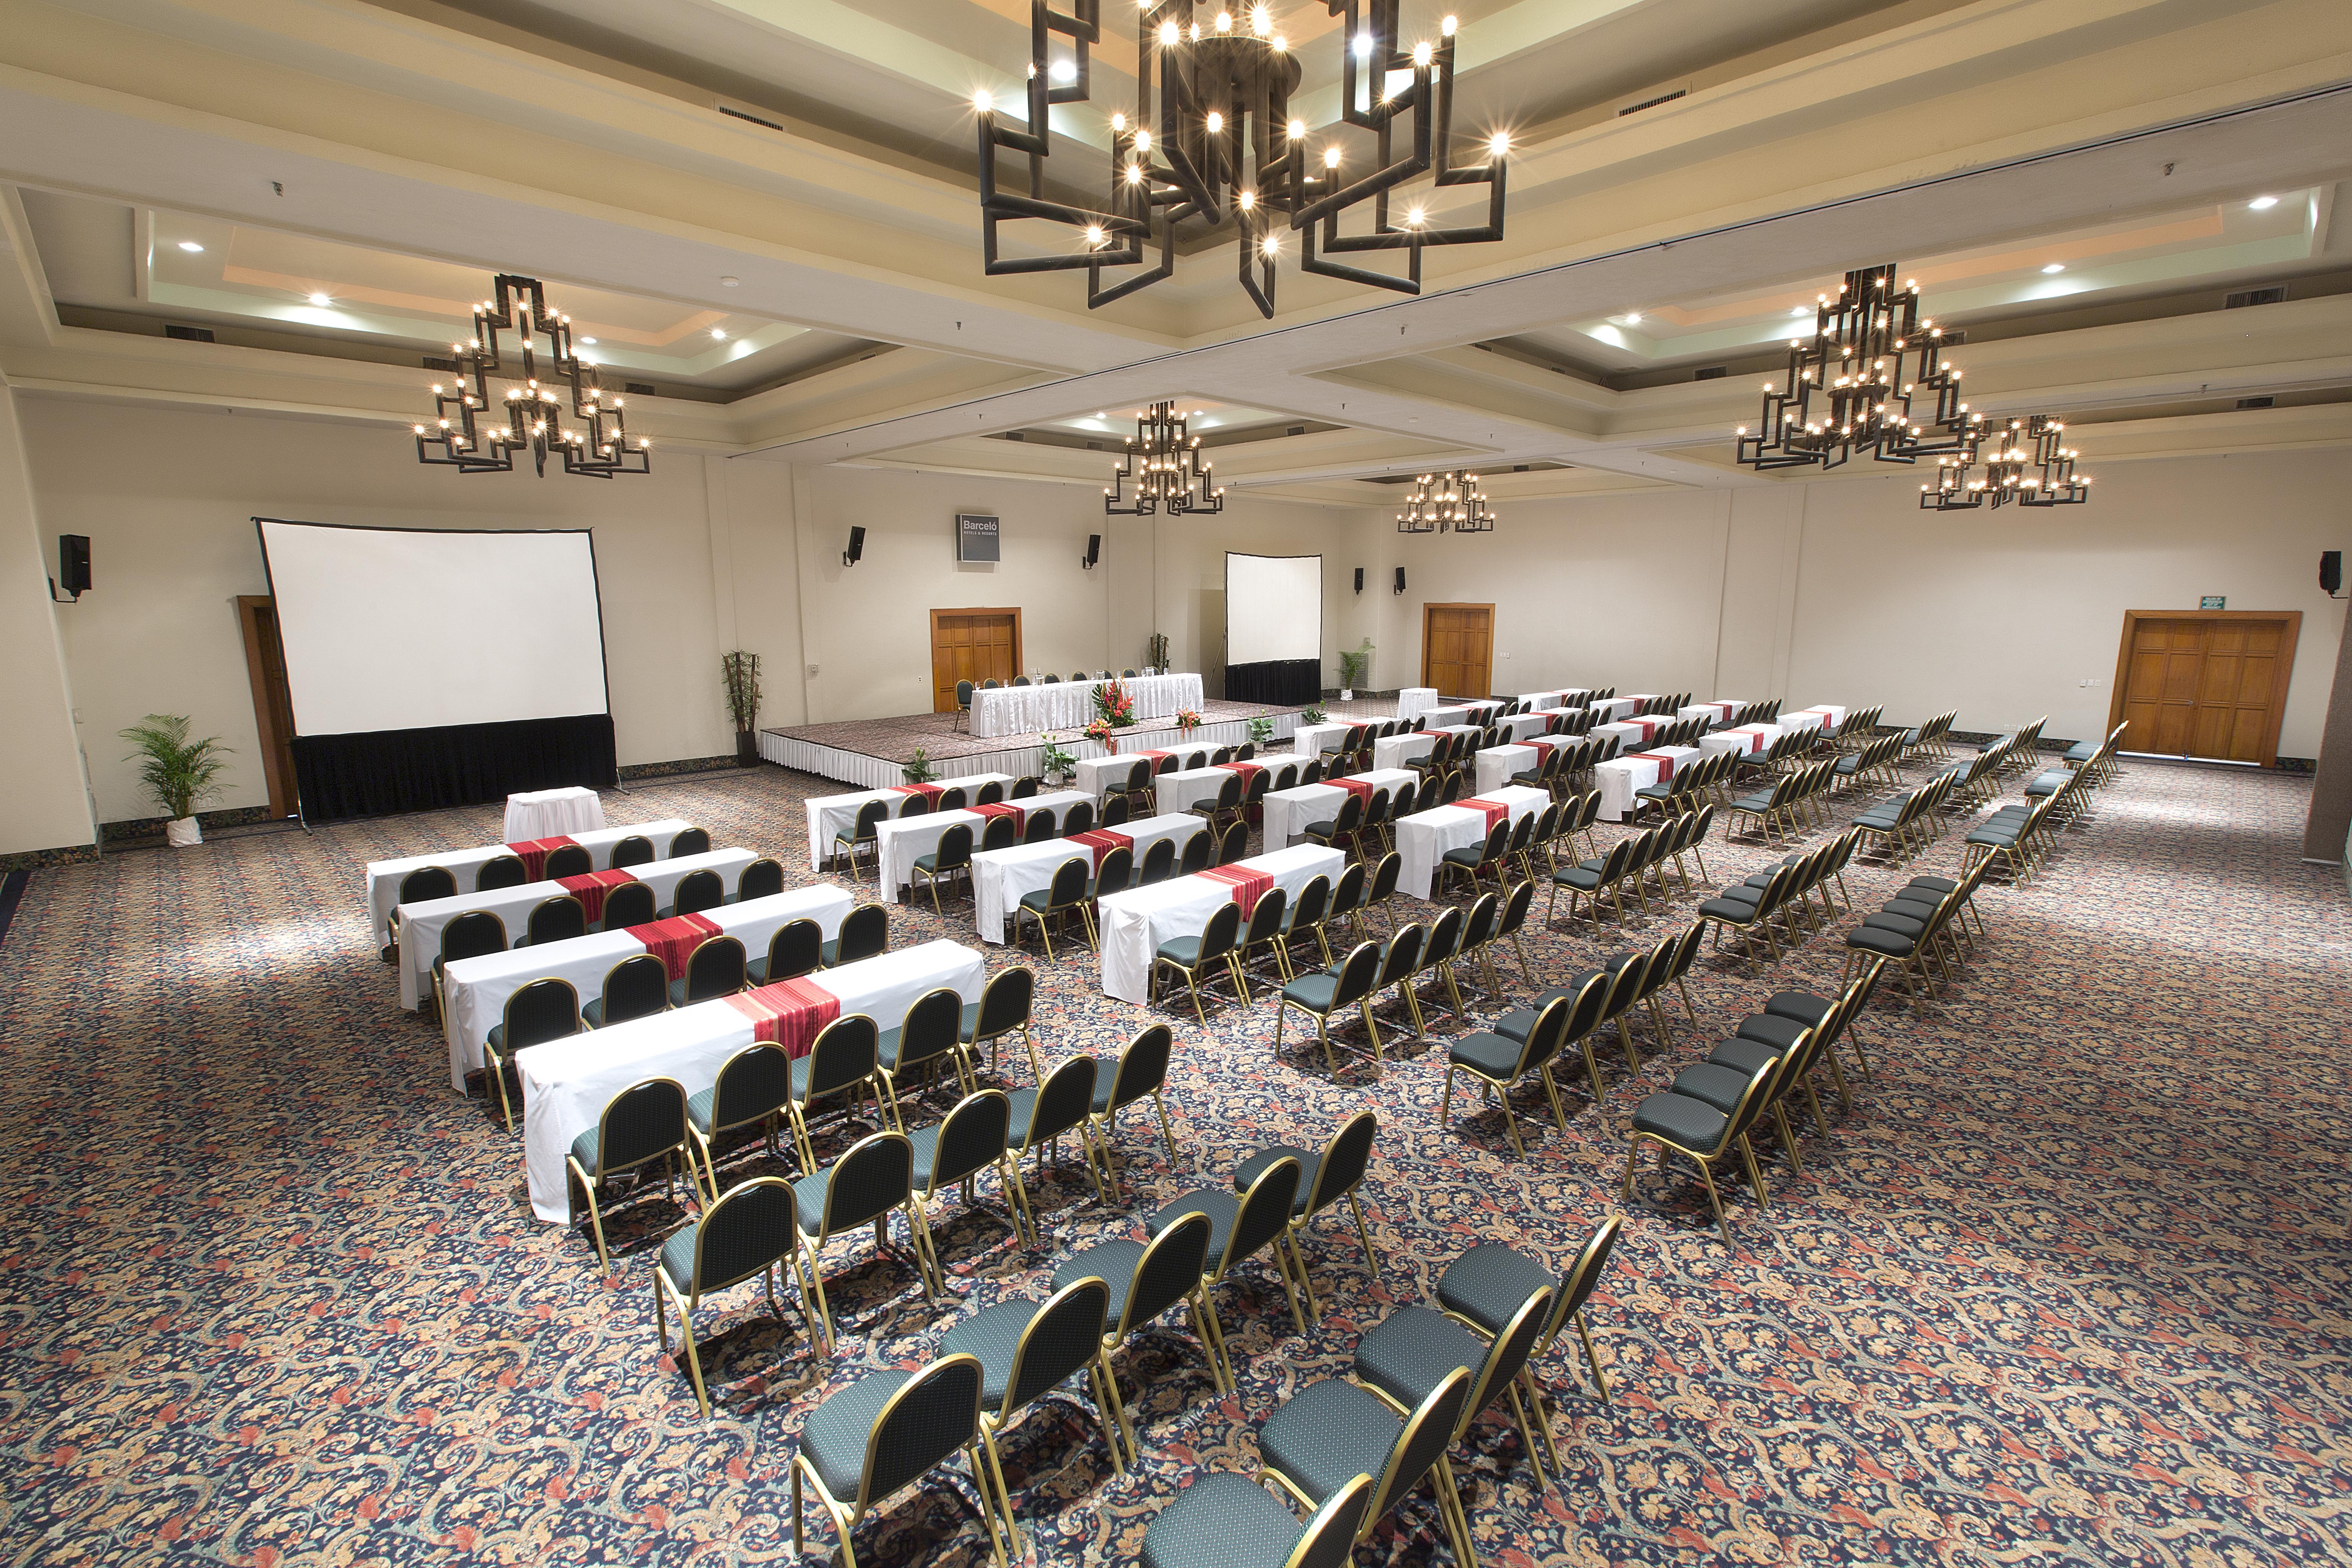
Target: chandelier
(1169, 473)
(1221, 147)
(1443, 502)
(475, 440)
(2027, 466)
(1853, 387)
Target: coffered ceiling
(765, 209)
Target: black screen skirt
(387, 771)
(1285, 682)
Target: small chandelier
(1444, 502)
(1222, 147)
(2027, 466)
(1169, 473)
(473, 440)
(1853, 387)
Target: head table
(1133, 924)
(1070, 704)
(383, 876)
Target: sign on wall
(2214, 602)
(976, 537)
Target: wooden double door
(1458, 648)
(971, 645)
(2210, 685)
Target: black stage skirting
(1287, 682)
(455, 764)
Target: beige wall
(43, 804)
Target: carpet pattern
(2070, 1285)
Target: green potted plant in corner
(1355, 664)
(742, 672)
(179, 773)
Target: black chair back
(909, 806)
(1041, 826)
(929, 1030)
(1142, 1066)
(1002, 832)
(1264, 1214)
(1384, 878)
(753, 1083)
(990, 794)
(953, 798)
(1221, 755)
(871, 815)
(715, 968)
(696, 891)
(746, 1231)
(970, 1137)
(1235, 845)
(865, 932)
(1197, 851)
(1313, 904)
(1445, 939)
(1479, 927)
(630, 904)
(1071, 880)
(1221, 934)
(1357, 972)
(567, 860)
(558, 919)
(1347, 1158)
(1025, 786)
(1579, 1278)
(637, 988)
(1005, 1001)
(1515, 909)
(425, 884)
(1077, 817)
(1063, 1101)
(500, 871)
(1169, 1270)
(1158, 861)
(689, 841)
(644, 1121)
(1115, 811)
(954, 846)
(1349, 896)
(1138, 777)
(796, 948)
(1428, 1432)
(1265, 923)
(473, 934)
(844, 1051)
(762, 879)
(543, 1010)
(1062, 1339)
(637, 849)
(1116, 872)
(875, 1177)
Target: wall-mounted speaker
(1400, 582)
(73, 564)
(2331, 570)
(1359, 579)
(857, 551)
(1094, 550)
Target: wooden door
(2211, 685)
(273, 705)
(975, 645)
(1458, 648)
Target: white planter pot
(1346, 695)
(183, 831)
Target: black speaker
(857, 551)
(1400, 588)
(2331, 568)
(1094, 550)
(73, 564)
(1359, 579)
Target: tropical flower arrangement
(1187, 721)
(1114, 706)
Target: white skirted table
(1620, 778)
(832, 814)
(1391, 751)
(1314, 739)
(542, 812)
(1497, 764)
(1070, 704)
(1422, 838)
(1415, 700)
(1287, 811)
(1558, 697)
(1133, 924)
(383, 876)
(1717, 712)
(1098, 776)
(900, 842)
(1519, 726)
(999, 877)
(1745, 739)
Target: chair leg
(1592, 1359)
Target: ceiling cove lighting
(468, 436)
(1853, 387)
(191, 247)
(1216, 148)
(1169, 475)
(1440, 503)
(2027, 464)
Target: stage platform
(869, 753)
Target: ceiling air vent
(188, 334)
(639, 388)
(738, 114)
(1016, 434)
(1295, 431)
(1954, 337)
(2257, 401)
(431, 362)
(2245, 296)
(1653, 102)
(1711, 372)
(1094, 446)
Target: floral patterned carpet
(2070, 1285)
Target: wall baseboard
(685, 765)
(40, 859)
(140, 827)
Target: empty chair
(637, 988)
(637, 849)
(1486, 1285)
(1326, 1176)
(953, 798)
(1114, 874)
(843, 1059)
(1219, 942)
(1001, 833)
(990, 794)
(714, 969)
(872, 1181)
(643, 1122)
(556, 919)
(476, 933)
(1141, 1069)
(752, 1090)
(1115, 812)
(1500, 1063)
(500, 871)
(1146, 1279)
(1024, 788)
(689, 841)
(927, 1037)
(1235, 846)
(883, 1433)
(696, 891)
(1237, 1524)
(963, 689)
(860, 836)
(630, 904)
(1333, 991)
(949, 1153)
(795, 948)
(1077, 817)
(545, 1009)
(1027, 1348)
(865, 934)
(1677, 1123)
(747, 1231)
(1198, 850)
(1003, 1008)
(1240, 1226)
(762, 879)
(567, 860)
(1040, 827)
(951, 858)
(1062, 1102)
(1070, 890)
(1321, 1439)
(1411, 1352)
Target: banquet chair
(1115, 812)
(1331, 1426)
(747, 1232)
(875, 1437)
(1262, 929)
(1138, 788)
(1330, 992)
(1677, 1123)
(871, 816)
(637, 988)
(1228, 801)
(1146, 1281)
(1114, 874)
(924, 1038)
(990, 794)
(1221, 755)
(1437, 955)
(1141, 1069)
(1001, 833)
(952, 798)
(1500, 1063)
(545, 1009)
(1159, 863)
(1478, 927)
(1049, 678)
(473, 934)
(1169, 763)
(714, 969)
(1285, 775)
(1325, 1176)
(1190, 956)
(1246, 751)
(1470, 859)
(963, 705)
(953, 1153)
(1080, 675)
(865, 934)
(1062, 1102)
(1077, 817)
(1386, 872)
(1235, 845)
(500, 871)
(1241, 1226)
(1375, 824)
(762, 879)
(1347, 903)
(421, 886)
(1069, 890)
(845, 1059)
(795, 948)
(1040, 827)
(751, 1090)
(554, 919)
(1305, 917)
(689, 841)
(1028, 1349)
(643, 1122)
(1344, 824)
(913, 805)
(637, 849)
(630, 904)
(1018, 680)
(1198, 849)
(872, 1181)
(1024, 787)
(1481, 1291)
(991, 684)
(950, 859)
(1454, 790)
(1004, 1009)
(567, 860)
(1309, 771)
(1127, 675)
(1399, 958)
(1409, 1352)
(696, 891)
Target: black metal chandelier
(1222, 147)
(1872, 380)
(2026, 464)
(470, 437)
(1169, 472)
(1440, 503)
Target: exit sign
(2214, 602)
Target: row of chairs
(1276, 924)
(1901, 826)
(1922, 929)
(1634, 859)
(2098, 756)
(1783, 893)
(429, 882)
(1672, 702)
(1932, 736)
(1706, 775)
(1792, 804)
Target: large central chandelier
(470, 437)
(2026, 464)
(1168, 470)
(1220, 146)
(1871, 380)
(1444, 502)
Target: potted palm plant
(1355, 664)
(742, 672)
(179, 773)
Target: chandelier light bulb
(1168, 35)
(1247, 199)
(1331, 157)
(1093, 234)
(1500, 143)
(1142, 140)
(1298, 129)
(1225, 21)
(191, 245)
(1215, 124)
(1260, 23)
(982, 102)
(1135, 173)
(1062, 71)
(1421, 53)
(1413, 217)
(1363, 46)
(1119, 121)
(1270, 246)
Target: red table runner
(1154, 757)
(790, 1012)
(673, 940)
(1102, 841)
(591, 889)
(929, 792)
(1648, 727)
(998, 808)
(1357, 787)
(1494, 809)
(1247, 770)
(533, 853)
(1248, 887)
(1665, 764)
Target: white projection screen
(1274, 608)
(413, 628)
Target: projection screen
(1273, 627)
(434, 667)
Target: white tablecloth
(1747, 739)
(1520, 725)
(1830, 713)
(1172, 792)
(1134, 924)
(1415, 700)
(903, 840)
(1559, 697)
(1445, 718)
(1713, 712)
(832, 814)
(1497, 763)
(420, 925)
(1632, 735)
(1613, 708)
(1618, 778)
(544, 813)
(1070, 704)
(1100, 776)
(1641, 699)
(1314, 739)
(1288, 811)
(1804, 719)
(567, 1083)
(476, 989)
(383, 876)
(1000, 876)
(1393, 752)
(1422, 838)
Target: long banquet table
(901, 841)
(421, 924)
(1288, 811)
(1100, 776)
(383, 876)
(1133, 924)
(1497, 765)
(1422, 838)
(1070, 705)
(1620, 778)
(567, 1083)
(999, 877)
(832, 814)
(475, 990)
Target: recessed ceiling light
(1632, 318)
(2055, 266)
(2264, 203)
(731, 283)
(718, 333)
(590, 342)
(1798, 310)
(322, 299)
(189, 245)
